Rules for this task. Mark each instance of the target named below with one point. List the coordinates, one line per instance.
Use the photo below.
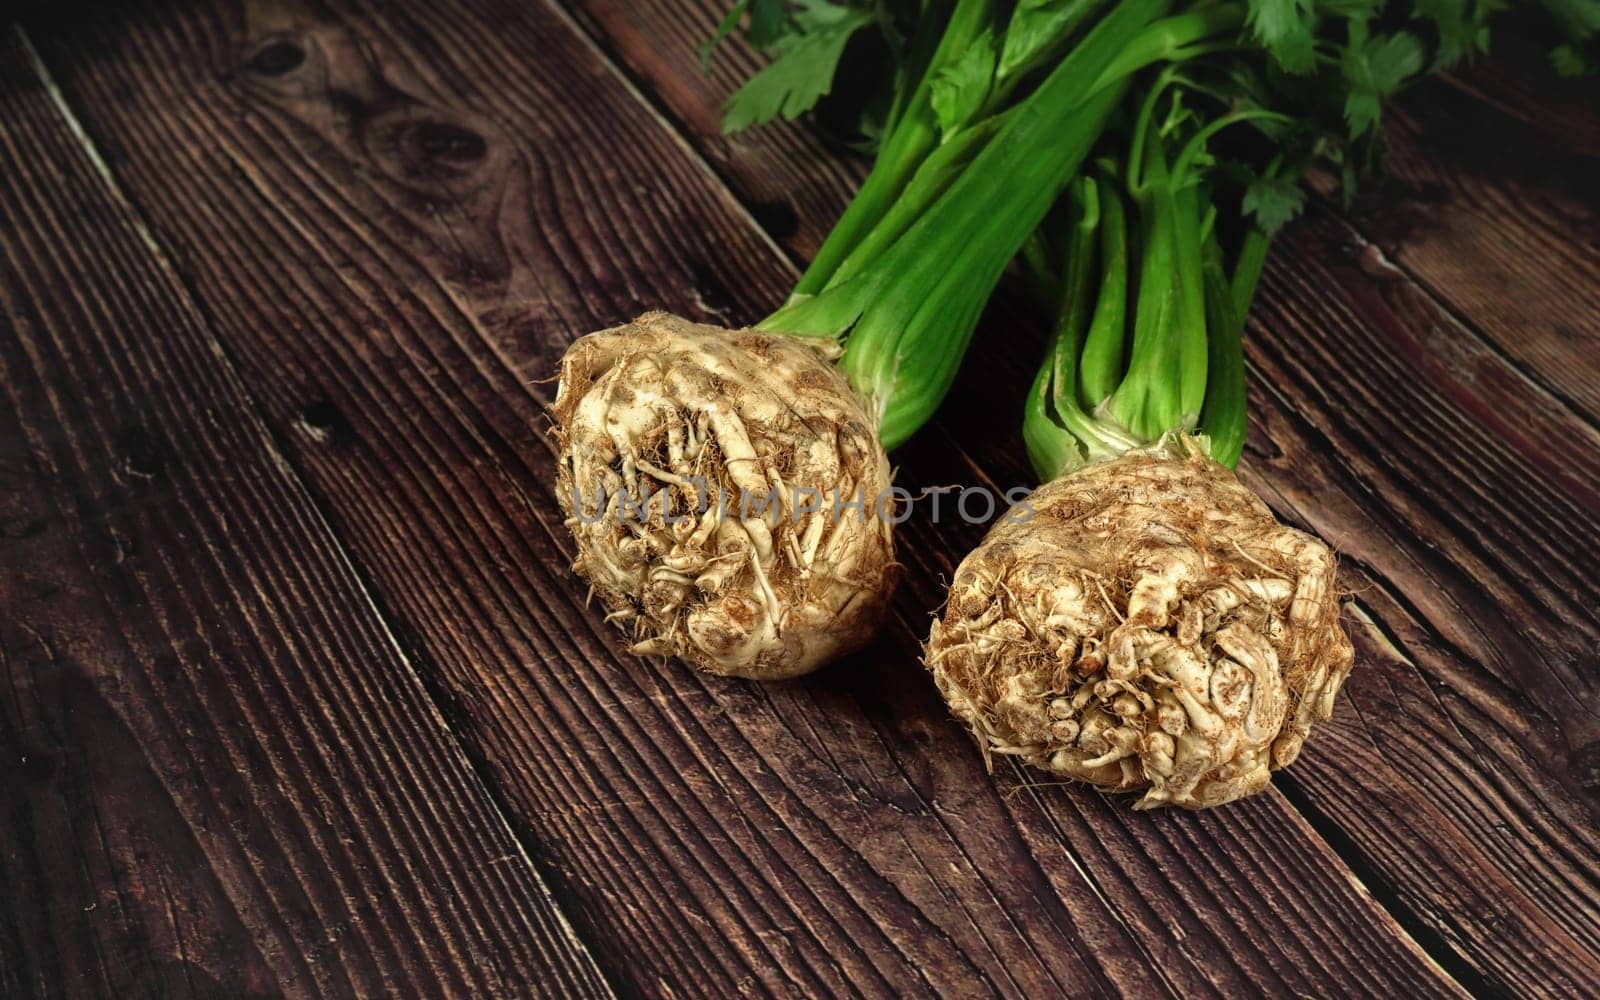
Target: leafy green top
(1173, 138)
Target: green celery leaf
(1287, 28)
(1374, 69)
(1462, 26)
(801, 72)
(767, 23)
(959, 89)
(1361, 111)
(1578, 20)
(1350, 10)
(1571, 62)
(1274, 202)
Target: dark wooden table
(298, 697)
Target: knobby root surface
(713, 425)
(1151, 627)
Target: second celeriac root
(1151, 626)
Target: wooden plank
(399, 217)
(1490, 202)
(221, 775)
(1477, 248)
(1465, 775)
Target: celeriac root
(1150, 626)
(714, 424)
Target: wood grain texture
(1466, 777)
(1472, 263)
(1490, 201)
(396, 218)
(1499, 884)
(793, 182)
(220, 777)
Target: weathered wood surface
(392, 219)
(221, 776)
(1502, 221)
(385, 259)
(1459, 779)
